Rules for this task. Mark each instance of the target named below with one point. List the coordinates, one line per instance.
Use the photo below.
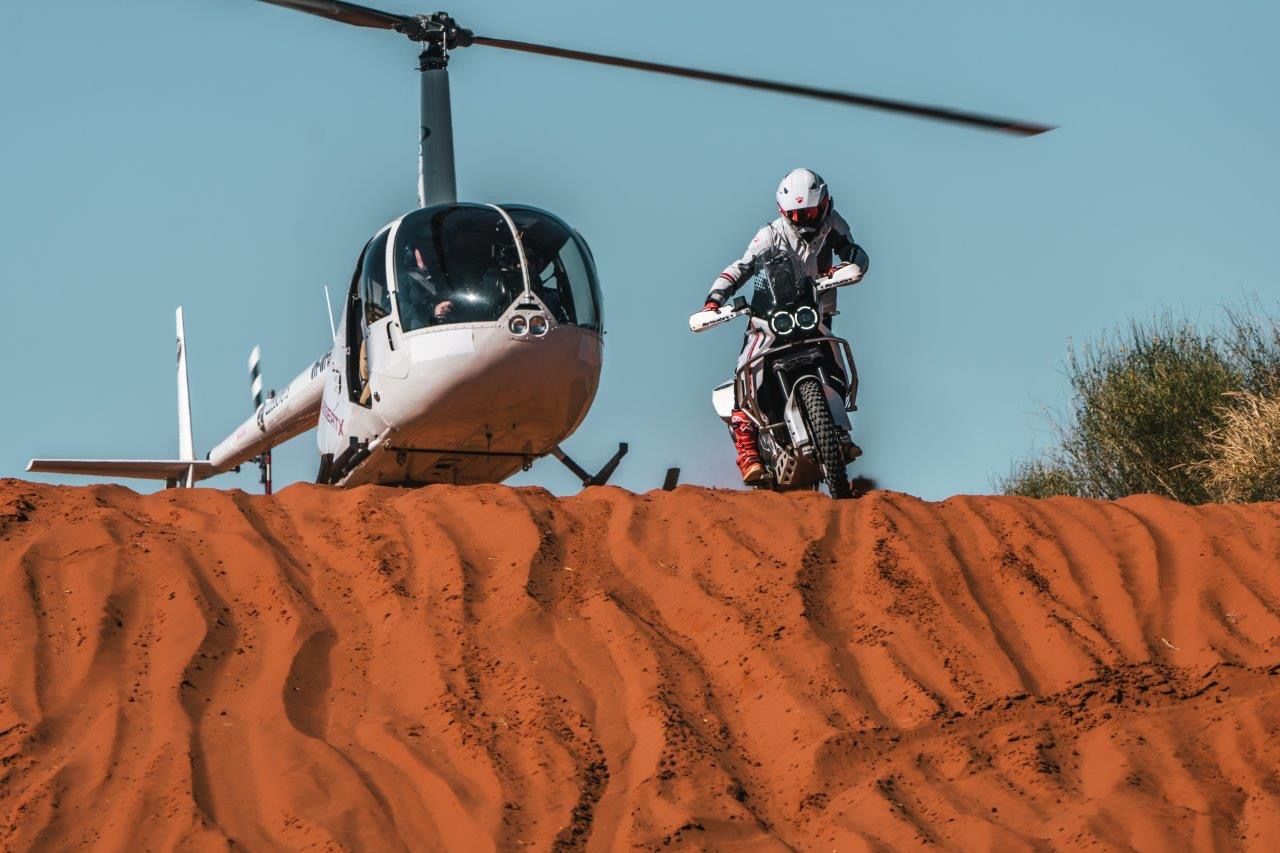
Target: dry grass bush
(1244, 454)
(1150, 414)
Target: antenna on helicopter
(328, 303)
(438, 34)
(255, 389)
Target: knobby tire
(825, 436)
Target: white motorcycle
(799, 382)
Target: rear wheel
(825, 436)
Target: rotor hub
(438, 34)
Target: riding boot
(744, 440)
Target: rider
(819, 239)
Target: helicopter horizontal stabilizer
(140, 469)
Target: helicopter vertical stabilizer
(183, 471)
(186, 441)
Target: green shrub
(1252, 341)
(1143, 405)
(1038, 478)
(1152, 412)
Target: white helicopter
(470, 339)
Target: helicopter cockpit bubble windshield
(455, 264)
(460, 264)
(561, 271)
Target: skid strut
(601, 477)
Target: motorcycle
(797, 383)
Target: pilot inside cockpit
(462, 264)
(424, 297)
(502, 278)
(463, 271)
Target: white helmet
(803, 198)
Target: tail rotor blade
(255, 376)
(944, 114)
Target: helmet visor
(808, 217)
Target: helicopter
(469, 343)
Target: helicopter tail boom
(282, 416)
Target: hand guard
(845, 274)
(711, 305)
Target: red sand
(489, 667)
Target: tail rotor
(255, 389)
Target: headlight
(538, 325)
(783, 323)
(518, 325)
(807, 318)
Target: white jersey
(831, 246)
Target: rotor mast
(437, 180)
(438, 34)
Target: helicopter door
(372, 344)
(384, 344)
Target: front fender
(793, 414)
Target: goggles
(808, 217)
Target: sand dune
(497, 668)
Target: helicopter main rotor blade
(986, 122)
(347, 13)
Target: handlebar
(703, 320)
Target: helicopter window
(373, 280)
(455, 264)
(560, 268)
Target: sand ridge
(472, 668)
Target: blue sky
(232, 157)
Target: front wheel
(825, 437)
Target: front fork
(793, 414)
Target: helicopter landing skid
(602, 476)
